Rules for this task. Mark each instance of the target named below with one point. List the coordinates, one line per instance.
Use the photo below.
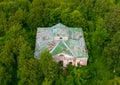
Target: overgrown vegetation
(19, 19)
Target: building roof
(61, 39)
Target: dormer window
(60, 38)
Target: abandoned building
(66, 44)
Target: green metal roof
(61, 39)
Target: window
(61, 63)
(70, 63)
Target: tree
(28, 68)
(8, 54)
(113, 20)
(49, 68)
(113, 55)
(6, 64)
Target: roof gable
(59, 25)
(62, 47)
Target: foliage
(19, 19)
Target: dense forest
(19, 19)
